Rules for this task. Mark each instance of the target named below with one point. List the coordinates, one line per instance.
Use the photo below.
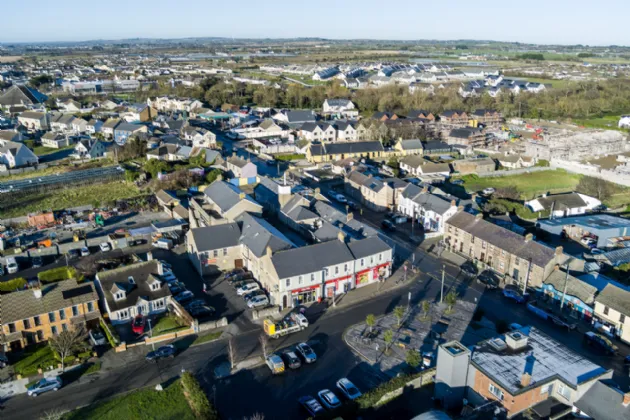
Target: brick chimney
(559, 250)
(241, 196)
(268, 251)
(149, 256)
(478, 216)
(626, 399)
(453, 203)
(349, 216)
(425, 189)
(341, 236)
(526, 379)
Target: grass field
(168, 324)
(529, 185)
(35, 358)
(208, 337)
(42, 150)
(139, 405)
(608, 122)
(553, 82)
(97, 194)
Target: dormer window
(155, 286)
(119, 296)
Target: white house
(318, 132)
(94, 126)
(345, 131)
(133, 290)
(33, 121)
(343, 107)
(563, 205)
(431, 211)
(200, 137)
(54, 140)
(91, 149)
(15, 155)
(624, 121)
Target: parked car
(1, 270)
(457, 182)
(230, 274)
(258, 301)
(168, 351)
(601, 342)
(201, 311)
(306, 353)
(176, 287)
(97, 337)
(195, 303)
(353, 206)
(329, 399)
(184, 296)
(241, 279)
(137, 326)
(588, 241)
(253, 294)
(469, 269)
(310, 404)
(275, 364)
(388, 225)
(44, 385)
(104, 246)
(37, 262)
(73, 253)
(168, 276)
(85, 251)
(291, 359)
(12, 265)
(562, 321)
(246, 288)
(166, 265)
(515, 295)
(489, 279)
(488, 191)
(4, 360)
(348, 389)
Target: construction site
(575, 145)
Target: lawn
(608, 122)
(529, 185)
(97, 195)
(556, 83)
(208, 337)
(143, 404)
(168, 324)
(41, 356)
(42, 150)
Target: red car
(138, 324)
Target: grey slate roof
(464, 133)
(225, 195)
(310, 259)
(414, 161)
(575, 287)
(346, 147)
(411, 144)
(216, 237)
(562, 201)
(338, 102)
(143, 273)
(257, 234)
(20, 305)
(603, 402)
(128, 127)
(367, 247)
(552, 361)
(237, 161)
(19, 94)
(616, 298)
(502, 238)
(301, 116)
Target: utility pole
(442, 289)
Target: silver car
(306, 353)
(45, 385)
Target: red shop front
(336, 286)
(373, 274)
(304, 295)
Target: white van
(12, 265)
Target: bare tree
(264, 344)
(232, 352)
(54, 414)
(66, 342)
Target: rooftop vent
(497, 344)
(516, 340)
(131, 280)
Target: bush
(197, 399)
(289, 157)
(58, 274)
(17, 283)
(110, 333)
(370, 398)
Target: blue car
(515, 296)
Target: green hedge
(17, 283)
(197, 399)
(110, 333)
(58, 274)
(370, 398)
(289, 157)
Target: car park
(44, 385)
(328, 399)
(348, 389)
(291, 359)
(168, 351)
(104, 246)
(97, 337)
(37, 262)
(137, 326)
(310, 404)
(489, 279)
(306, 353)
(184, 297)
(85, 251)
(601, 342)
(258, 301)
(275, 364)
(246, 288)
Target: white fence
(617, 177)
(513, 172)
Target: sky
(603, 22)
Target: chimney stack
(241, 196)
(526, 379)
(529, 237)
(626, 399)
(341, 236)
(160, 268)
(149, 256)
(453, 203)
(268, 251)
(559, 250)
(478, 216)
(349, 216)
(37, 291)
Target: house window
(380, 257)
(312, 278)
(224, 252)
(158, 304)
(483, 245)
(502, 265)
(38, 321)
(53, 329)
(27, 324)
(300, 280)
(605, 310)
(64, 327)
(90, 306)
(622, 318)
(496, 392)
(564, 391)
(40, 335)
(336, 270)
(62, 314)
(503, 252)
(517, 261)
(215, 253)
(288, 282)
(12, 328)
(371, 260)
(547, 389)
(345, 268)
(51, 317)
(362, 262)
(75, 310)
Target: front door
(238, 263)
(515, 274)
(330, 291)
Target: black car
(489, 279)
(352, 205)
(388, 225)
(201, 311)
(74, 253)
(253, 294)
(601, 342)
(291, 359)
(469, 269)
(161, 353)
(37, 262)
(311, 405)
(1, 270)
